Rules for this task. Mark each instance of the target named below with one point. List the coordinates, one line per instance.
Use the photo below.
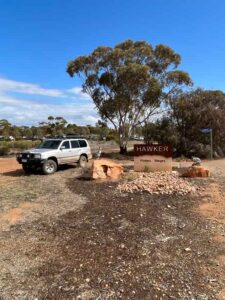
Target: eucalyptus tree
(197, 109)
(129, 82)
(5, 127)
(54, 125)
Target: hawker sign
(152, 157)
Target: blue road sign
(205, 130)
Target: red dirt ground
(8, 165)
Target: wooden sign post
(152, 157)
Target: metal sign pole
(209, 130)
(211, 143)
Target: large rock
(196, 171)
(105, 168)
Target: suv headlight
(19, 155)
(37, 155)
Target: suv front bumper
(29, 159)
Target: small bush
(112, 136)
(4, 149)
(7, 147)
(22, 145)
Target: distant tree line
(55, 127)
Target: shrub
(22, 145)
(4, 149)
(112, 136)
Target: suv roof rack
(74, 136)
(64, 137)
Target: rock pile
(166, 183)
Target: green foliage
(129, 82)
(194, 110)
(191, 111)
(162, 131)
(7, 147)
(54, 126)
(22, 145)
(4, 149)
(113, 136)
(11, 146)
(5, 127)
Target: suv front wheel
(49, 167)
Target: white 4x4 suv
(54, 152)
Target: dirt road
(66, 238)
(8, 164)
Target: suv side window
(66, 144)
(82, 143)
(75, 144)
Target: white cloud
(77, 91)
(7, 85)
(90, 119)
(30, 112)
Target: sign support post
(210, 131)
(211, 142)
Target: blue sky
(39, 37)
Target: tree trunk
(123, 149)
(123, 140)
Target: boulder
(196, 171)
(105, 168)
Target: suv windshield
(50, 144)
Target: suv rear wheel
(83, 161)
(49, 167)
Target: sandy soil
(9, 164)
(213, 209)
(66, 238)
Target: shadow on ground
(20, 172)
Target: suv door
(83, 144)
(75, 148)
(65, 153)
